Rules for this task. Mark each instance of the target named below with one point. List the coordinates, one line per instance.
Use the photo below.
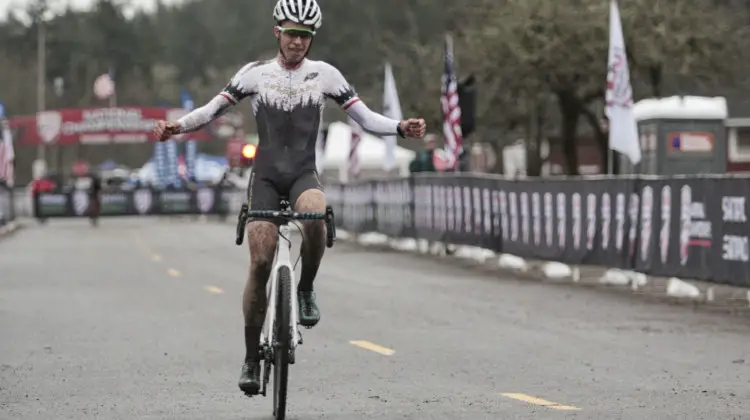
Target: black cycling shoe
(250, 378)
(309, 315)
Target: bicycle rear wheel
(282, 341)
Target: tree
(529, 57)
(539, 47)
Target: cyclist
(95, 197)
(287, 95)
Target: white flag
(391, 109)
(7, 154)
(623, 130)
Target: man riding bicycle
(288, 94)
(95, 196)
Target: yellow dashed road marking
(538, 401)
(215, 290)
(373, 347)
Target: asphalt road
(141, 319)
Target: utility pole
(41, 48)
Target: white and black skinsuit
(288, 108)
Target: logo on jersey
(311, 76)
(143, 199)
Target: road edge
(670, 290)
(9, 229)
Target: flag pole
(40, 80)
(113, 97)
(621, 123)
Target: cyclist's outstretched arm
(239, 87)
(343, 94)
(200, 117)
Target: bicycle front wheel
(283, 338)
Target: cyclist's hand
(413, 127)
(166, 129)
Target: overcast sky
(6, 5)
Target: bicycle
(280, 335)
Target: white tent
(205, 170)
(371, 152)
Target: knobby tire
(283, 338)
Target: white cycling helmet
(305, 12)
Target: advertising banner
(691, 227)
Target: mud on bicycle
(280, 335)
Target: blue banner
(160, 162)
(191, 155)
(173, 175)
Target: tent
(371, 152)
(108, 165)
(207, 168)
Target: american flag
(451, 110)
(7, 154)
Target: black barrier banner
(139, 202)
(393, 207)
(7, 207)
(689, 227)
(733, 254)
(358, 212)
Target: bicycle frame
(283, 259)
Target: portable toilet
(680, 135)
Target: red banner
(97, 126)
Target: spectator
(95, 191)
(423, 161)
